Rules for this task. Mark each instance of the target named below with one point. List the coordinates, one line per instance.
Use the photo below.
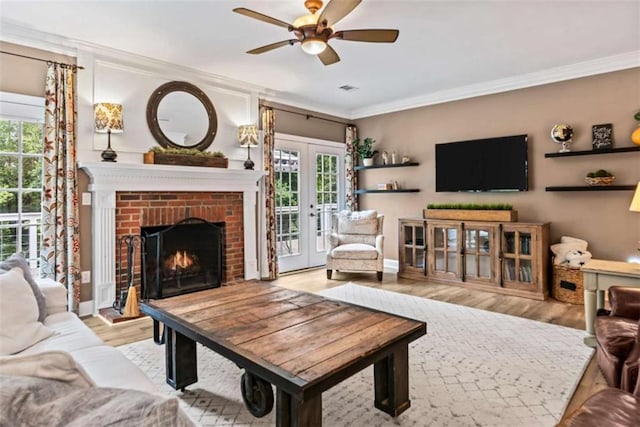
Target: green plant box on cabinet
(471, 215)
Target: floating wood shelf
(394, 165)
(592, 152)
(404, 190)
(592, 188)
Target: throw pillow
(37, 402)
(50, 365)
(363, 222)
(18, 260)
(19, 326)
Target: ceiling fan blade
(373, 36)
(272, 46)
(335, 10)
(261, 17)
(328, 56)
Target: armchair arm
(55, 295)
(625, 302)
(334, 242)
(380, 244)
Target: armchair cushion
(355, 251)
(616, 335)
(625, 302)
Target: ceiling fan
(314, 31)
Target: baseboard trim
(391, 264)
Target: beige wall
(297, 124)
(600, 217)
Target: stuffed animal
(577, 258)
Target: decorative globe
(561, 133)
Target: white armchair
(356, 242)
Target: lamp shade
(108, 117)
(635, 202)
(248, 135)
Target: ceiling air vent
(348, 88)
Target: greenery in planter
(472, 206)
(187, 151)
(599, 174)
(364, 147)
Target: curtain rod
(43, 60)
(308, 116)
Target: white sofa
(105, 365)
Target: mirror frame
(152, 114)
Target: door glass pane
(287, 196)
(439, 255)
(525, 243)
(438, 237)
(327, 196)
(470, 241)
(509, 242)
(408, 235)
(452, 238)
(485, 266)
(9, 165)
(32, 140)
(525, 271)
(408, 257)
(420, 257)
(470, 266)
(510, 269)
(483, 241)
(452, 266)
(9, 130)
(420, 236)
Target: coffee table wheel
(257, 395)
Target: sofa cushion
(51, 365)
(363, 222)
(608, 407)
(18, 260)
(19, 326)
(70, 334)
(55, 294)
(108, 367)
(354, 251)
(616, 335)
(37, 402)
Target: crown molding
(581, 69)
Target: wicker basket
(568, 285)
(602, 180)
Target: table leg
(599, 300)
(294, 413)
(180, 359)
(589, 310)
(156, 333)
(391, 377)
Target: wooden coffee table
(301, 343)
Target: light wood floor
(549, 311)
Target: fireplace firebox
(182, 258)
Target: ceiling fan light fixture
(305, 20)
(313, 46)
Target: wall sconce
(108, 119)
(248, 137)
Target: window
(21, 147)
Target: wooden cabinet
(412, 254)
(509, 258)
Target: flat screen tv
(492, 164)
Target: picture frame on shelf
(602, 136)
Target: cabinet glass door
(445, 250)
(479, 254)
(517, 253)
(412, 256)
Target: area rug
(473, 368)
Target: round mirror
(180, 115)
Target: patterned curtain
(60, 258)
(268, 127)
(350, 160)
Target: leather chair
(356, 242)
(618, 338)
(610, 407)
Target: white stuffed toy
(577, 258)
(567, 245)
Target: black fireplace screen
(182, 258)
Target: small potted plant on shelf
(600, 177)
(365, 150)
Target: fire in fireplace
(181, 258)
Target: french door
(309, 177)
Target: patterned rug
(473, 368)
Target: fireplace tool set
(126, 297)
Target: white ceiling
(447, 49)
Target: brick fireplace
(127, 197)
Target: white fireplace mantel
(108, 178)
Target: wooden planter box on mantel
(471, 215)
(185, 160)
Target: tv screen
(492, 164)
